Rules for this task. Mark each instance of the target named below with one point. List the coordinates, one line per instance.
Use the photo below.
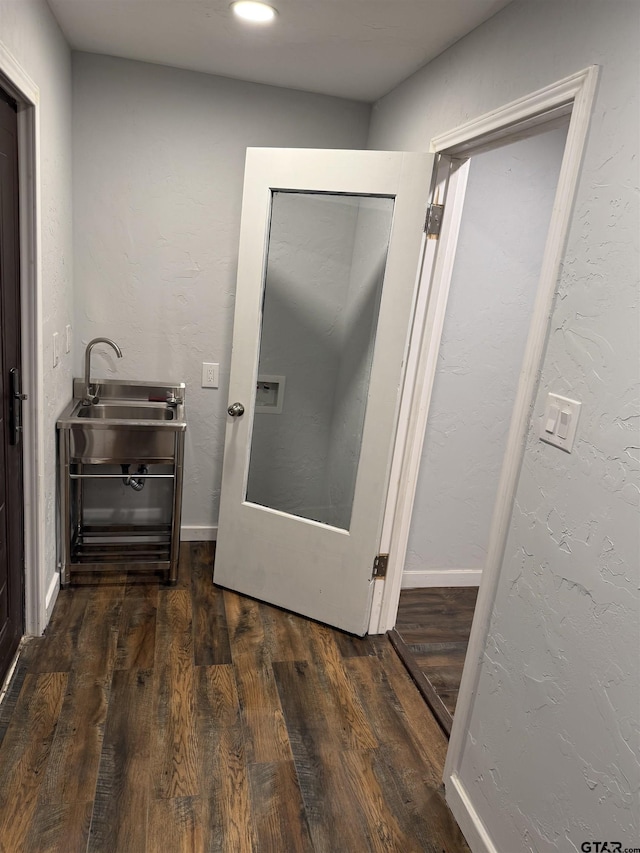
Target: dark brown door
(11, 494)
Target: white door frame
(15, 80)
(571, 96)
(578, 93)
(449, 180)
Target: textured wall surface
(30, 33)
(551, 758)
(504, 228)
(158, 170)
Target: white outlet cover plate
(210, 374)
(566, 406)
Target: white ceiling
(351, 48)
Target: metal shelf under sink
(130, 425)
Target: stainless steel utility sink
(120, 412)
(129, 422)
(122, 430)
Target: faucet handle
(170, 399)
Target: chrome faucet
(90, 396)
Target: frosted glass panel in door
(323, 282)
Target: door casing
(573, 96)
(11, 497)
(39, 601)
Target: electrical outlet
(68, 339)
(56, 349)
(210, 374)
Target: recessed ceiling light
(252, 10)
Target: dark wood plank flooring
(431, 636)
(194, 719)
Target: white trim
(52, 595)
(425, 268)
(420, 376)
(420, 300)
(473, 829)
(501, 123)
(18, 83)
(199, 533)
(376, 604)
(426, 332)
(441, 577)
(532, 364)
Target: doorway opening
(571, 97)
(508, 202)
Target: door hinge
(380, 564)
(433, 221)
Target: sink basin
(114, 411)
(130, 423)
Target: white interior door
(329, 248)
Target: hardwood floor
(431, 637)
(191, 719)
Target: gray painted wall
(30, 33)
(504, 227)
(158, 171)
(551, 757)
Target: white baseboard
(467, 817)
(441, 577)
(51, 596)
(199, 533)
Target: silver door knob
(235, 410)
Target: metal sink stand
(85, 451)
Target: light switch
(552, 419)
(563, 424)
(560, 421)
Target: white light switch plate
(560, 421)
(56, 349)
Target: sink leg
(177, 507)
